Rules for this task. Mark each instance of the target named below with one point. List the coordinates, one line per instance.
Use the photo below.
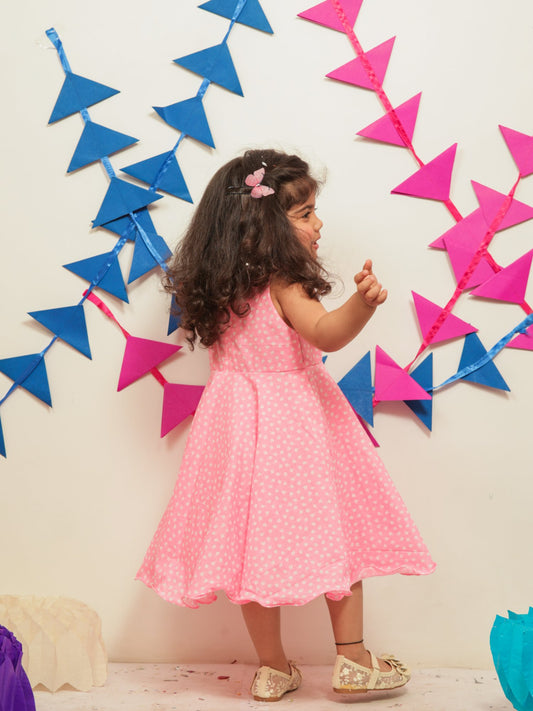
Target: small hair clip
(254, 181)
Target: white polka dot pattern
(280, 496)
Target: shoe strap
(374, 676)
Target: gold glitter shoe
(270, 684)
(352, 678)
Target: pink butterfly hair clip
(254, 181)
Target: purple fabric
(15, 689)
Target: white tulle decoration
(61, 640)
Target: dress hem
(333, 593)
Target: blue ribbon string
(29, 370)
(489, 355)
(105, 267)
(54, 39)
(148, 242)
(134, 222)
(238, 9)
(200, 94)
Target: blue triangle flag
(357, 388)
(423, 374)
(251, 15)
(487, 374)
(214, 63)
(125, 226)
(2, 443)
(175, 316)
(68, 323)
(104, 268)
(97, 141)
(163, 173)
(78, 93)
(188, 117)
(122, 198)
(36, 380)
(143, 260)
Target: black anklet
(341, 644)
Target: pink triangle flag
(521, 147)
(354, 72)
(140, 356)
(393, 383)
(462, 243)
(524, 341)
(428, 312)
(510, 283)
(179, 402)
(472, 223)
(384, 130)
(491, 202)
(433, 180)
(325, 14)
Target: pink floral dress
(280, 496)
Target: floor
(224, 687)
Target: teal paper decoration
(96, 142)
(103, 271)
(67, 323)
(162, 172)
(423, 374)
(214, 63)
(143, 259)
(511, 644)
(28, 371)
(122, 198)
(357, 388)
(188, 117)
(488, 374)
(78, 93)
(251, 14)
(2, 443)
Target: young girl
(280, 497)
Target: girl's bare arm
(331, 330)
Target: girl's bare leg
(347, 623)
(264, 628)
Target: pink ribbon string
(482, 249)
(102, 306)
(463, 281)
(384, 99)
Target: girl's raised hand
(368, 287)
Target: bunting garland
(125, 211)
(467, 243)
(142, 356)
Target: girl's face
(307, 224)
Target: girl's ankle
(359, 656)
(281, 665)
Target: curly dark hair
(235, 244)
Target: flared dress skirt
(280, 496)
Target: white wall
(85, 483)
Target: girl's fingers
(368, 286)
(382, 296)
(358, 278)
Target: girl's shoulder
(277, 290)
(295, 306)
